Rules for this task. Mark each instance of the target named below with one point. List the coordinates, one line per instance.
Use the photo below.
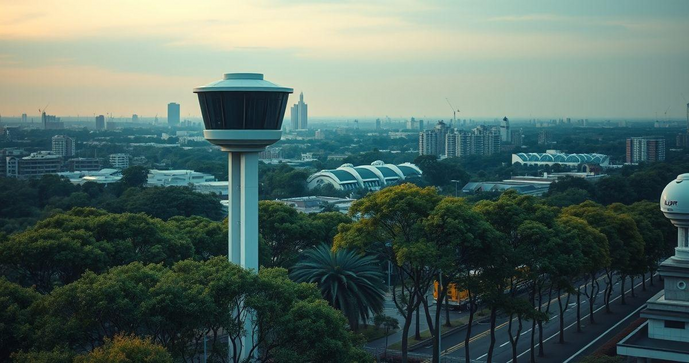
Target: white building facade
(371, 177)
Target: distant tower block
(243, 114)
(300, 114)
(505, 132)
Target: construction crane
(454, 111)
(40, 112)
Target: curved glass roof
(563, 158)
(343, 175)
(407, 170)
(387, 172)
(365, 173)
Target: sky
(402, 58)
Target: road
(453, 345)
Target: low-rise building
(219, 188)
(103, 176)
(372, 177)
(84, 164)
(177, 177)
(552, 157)
(33, 166)
(316, 204)
(119, 161)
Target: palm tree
(350, 282)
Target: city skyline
(535, 59)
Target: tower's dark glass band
(243, 110)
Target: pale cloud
(361, 57)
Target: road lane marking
(504, 344)
(575, 323)
(487, 332)
(606, 332)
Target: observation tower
(243, 114)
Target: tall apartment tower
(645, 149)
(173, 114)
(479, 141)
(24, 117)
(64, 146)
(428, 142)
(100, 122)
(505, 133)
(300, 114)
(378, 122)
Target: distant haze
(576, 59)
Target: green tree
(126, 349)
(389, 222)
(208, 237)
(596, 257)
(285, 231)
(625, 243)
(15, 329)
(167, 202)
(382, 321)
(134, 177)
(461, 238)
(351, 283)
(46, 257)
(325, 224)
(615, 189)
(132, 237)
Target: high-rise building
(505, 132)
(377, 124)
(320, 135)
(517, 138)
(428, 143)
(173, 114)
(479, 141)
(100, 122)
(645, 149)
(300, 114)
(64, 146)
(545, 137)
(441, 129)
(24, 117)
(135, 118)
(50, 122)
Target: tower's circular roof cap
(242, 82)
(675, 197)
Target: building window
(672, 324)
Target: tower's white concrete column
(234, 197)
(243, 224)
(249, 213)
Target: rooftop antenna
(454, 111)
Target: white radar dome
(674, 202)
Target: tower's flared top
(248, 82)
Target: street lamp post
(456, 186)
(243, 113)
